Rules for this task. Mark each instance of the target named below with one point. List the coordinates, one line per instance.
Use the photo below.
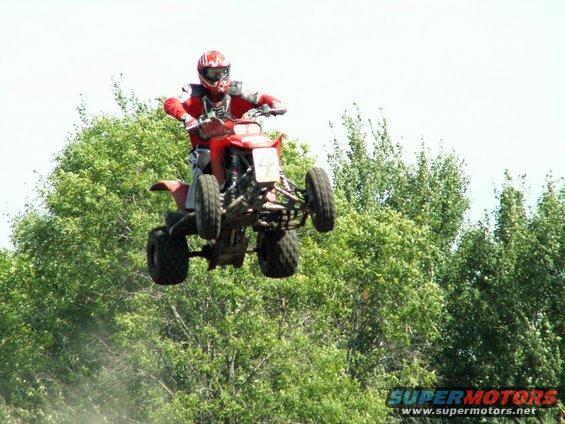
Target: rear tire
(320, 199)
(208, 209)
(278, 252)
(167, 257)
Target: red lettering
(549, 398)
(490, 397)
(520, 397)
(473, 397)
(505, 395)
(536, 397)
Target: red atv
(246, 188)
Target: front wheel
(208, 209)
(320, 199)
(278, 252)
(167, 257)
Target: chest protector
(222, 108)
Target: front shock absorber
(234, 175)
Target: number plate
(267, 167)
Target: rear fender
(178, 190)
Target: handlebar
(263, 111)
(211, 120)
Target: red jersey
(195, 101)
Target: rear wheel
(320, 199)
(167, 257)
(208, 208)
(278, 252)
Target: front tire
(167, 257)
(208, 209)
(278, 252)
(320, 199)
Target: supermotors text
(435, 400)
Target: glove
(278, 109)
(189, 122)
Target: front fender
(178, 189)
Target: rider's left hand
(278, 111)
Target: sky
(482, 77)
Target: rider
(216, 92)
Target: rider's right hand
(190, 123)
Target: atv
(242, 186)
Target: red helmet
(214, 72)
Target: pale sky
(483, 77)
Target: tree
(373, 174)
(86, 336)
(504, 293)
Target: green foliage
(506, 298)
(373, 174)
(383, 300)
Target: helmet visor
(216, 74)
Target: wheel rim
(261, 250)
(153, 256)
(310, 195)
(197, 213)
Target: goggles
(216, 74)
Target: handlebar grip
(280, 111)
